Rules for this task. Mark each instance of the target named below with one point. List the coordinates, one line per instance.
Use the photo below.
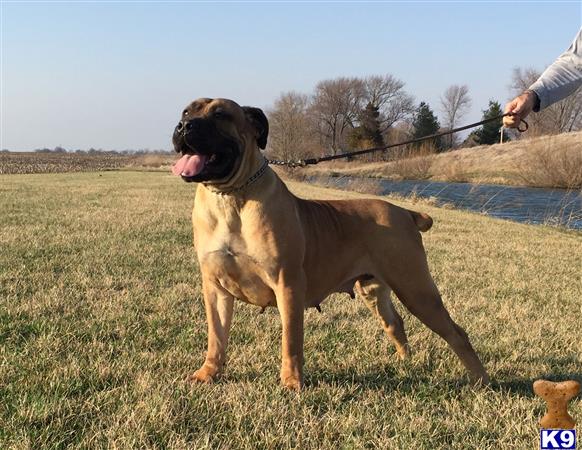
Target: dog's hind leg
(429, 308)
(219, 309)
(414, 286)
(376, 296)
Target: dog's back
(349, 216)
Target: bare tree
(388, 95)
(561, 117)
(291, 136)
(335, 108)
(455, 103)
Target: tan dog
(259, 243)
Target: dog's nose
(185, 126)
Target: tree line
(348, 113)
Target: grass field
(101, 319)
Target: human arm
(558, 81)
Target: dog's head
(215, 137)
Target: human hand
(520, 107)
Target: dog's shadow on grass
(379, 378)
(524, 386)
(551, 368)
(386, 379)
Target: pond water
(521, 204)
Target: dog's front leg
(219, 305)
(290, 302)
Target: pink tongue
(189, 165)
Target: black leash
(310, 161)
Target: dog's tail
(423, 221)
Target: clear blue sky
(115, 75)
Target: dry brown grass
(549, 165)
(414, 164)
(455, 172)
(508, 163)
(417, 168)
(101, 318)
(365, 186)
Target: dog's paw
(403, 351)
(292, 382)
(203, 375)
(481, 379)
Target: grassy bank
(101, 319)
(547, 161)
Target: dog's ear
(259, 121)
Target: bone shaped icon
(557, 396)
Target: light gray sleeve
(563, 77)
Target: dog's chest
(233, 251)
(240, 274)
(238, 247)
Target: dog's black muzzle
(200, 136)
(193, 136)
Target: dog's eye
(185, 112)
